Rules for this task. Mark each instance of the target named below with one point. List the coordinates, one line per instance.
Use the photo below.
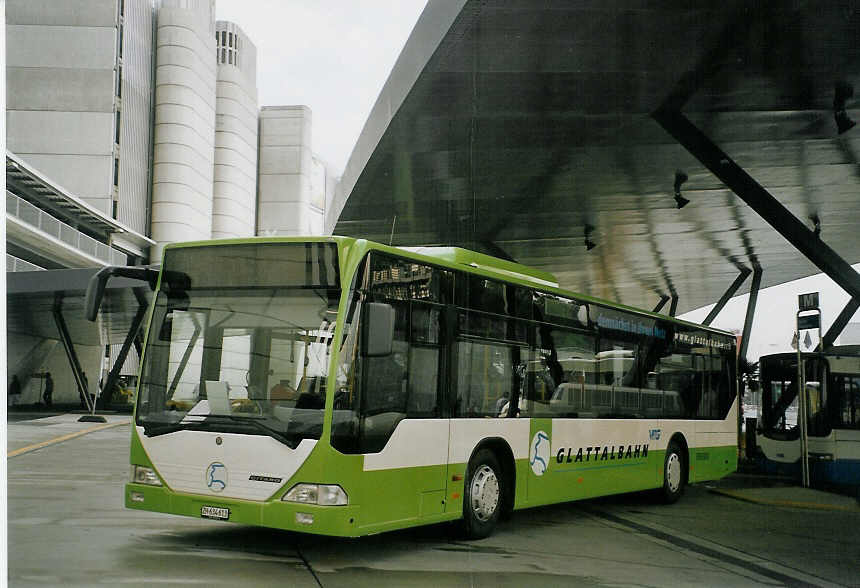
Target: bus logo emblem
(539, 453)
(216, 476)
(654, 434)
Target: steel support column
(759, 199)
(727, 296)
(674, 306)
(113, 375)
(69, 346)
(839, 324)
(748, 321)
(745, 342)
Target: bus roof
(458, 255)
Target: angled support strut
(839, 324)
(759, 199)
(69, 347)
(727, 296)
(748, 321)
(663, 300)
(113, 375)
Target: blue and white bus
(833, 409)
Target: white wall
(291, 198)
(60, 59)
(63, 77)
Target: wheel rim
(673, 472)
(484, 493)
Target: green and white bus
(341, 387)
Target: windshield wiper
(256, 423)
(208, 422)
(156, 429)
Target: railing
(13, 264)
(39, 219)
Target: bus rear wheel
(482, 496)
(674, 473)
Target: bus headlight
(144, 475)
(321, 494)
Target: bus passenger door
(425, 388)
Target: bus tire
(482, 495)
(674, 473)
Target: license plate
(215, 512)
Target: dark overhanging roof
(32, 296)
(517, 127)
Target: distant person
(14, 391)
(48, 395)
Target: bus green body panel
(712, 463)
(387, 500)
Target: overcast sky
(331, 55)
(776, 309)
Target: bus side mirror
(98, 283)
(95, 293)
(378, 330)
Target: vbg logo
(539, 451)
(654, 434)
(216, 476)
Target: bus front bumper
(339, 521)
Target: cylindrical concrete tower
(235, 189)
(183, 159)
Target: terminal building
(710, 154)
(132, 124)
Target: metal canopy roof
(516, 127)
(31, 296)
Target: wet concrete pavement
(68, 526)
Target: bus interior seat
(310, 400)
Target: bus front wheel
(674, 473)
(482, 500)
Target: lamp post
(805, 303)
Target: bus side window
(404, 384)
(846, 393)
(618, 365)
(424, 352)
(562, 373)
(677, 378)
(486, 377)
(651, 350)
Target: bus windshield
(240, 341)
